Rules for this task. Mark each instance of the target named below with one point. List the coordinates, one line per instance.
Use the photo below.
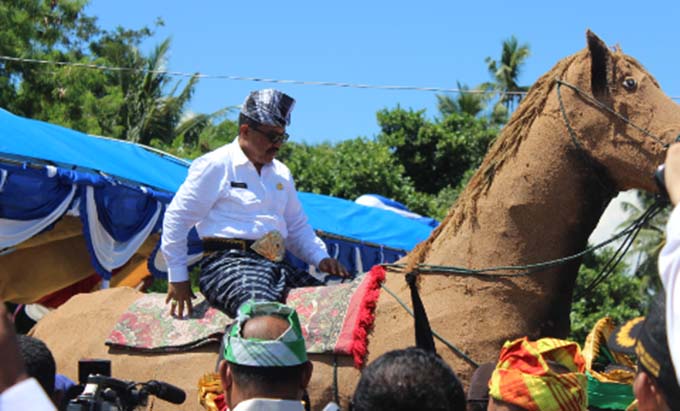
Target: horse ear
(600, 59)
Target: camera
(660, 179)
(101, 392)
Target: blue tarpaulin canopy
(119, 191)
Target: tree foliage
(506, 71)
(138, 103)
(465, 101)
(435, 154)
(348, 169)
(622, 296)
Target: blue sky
(424, 43)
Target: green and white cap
(287, 350)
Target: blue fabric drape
(123, 211)
(30, 194)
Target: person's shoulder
(220, 157)
(281, 169)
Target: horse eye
(629, 83)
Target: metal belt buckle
(270, 246)
(238, 242)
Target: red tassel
(366, 315)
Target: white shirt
(669, 270)
(26, 395)
(266, 404)
(224, 196)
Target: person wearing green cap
(264, 363)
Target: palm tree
(465, 102)
(506, 71)
(148, 112)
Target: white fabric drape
(110, 253)
(13, 232)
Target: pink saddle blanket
(335, 319)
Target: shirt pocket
(243, 199)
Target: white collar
(240, 157)
(269, 404)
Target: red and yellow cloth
(547, 374)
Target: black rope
(336, 391)
(424, 337)
(610, 267)
(438, 336)
(526, 269)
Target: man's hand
(180, 295)
(12, 370)
(333, 266)
(672, 173)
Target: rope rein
(528, 269)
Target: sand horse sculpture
(594, 125)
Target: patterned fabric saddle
(335, 319)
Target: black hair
(264, 379)
(409, 379)
(38, 361)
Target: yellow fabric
(524, 377)
(591, 350)
(209, 387)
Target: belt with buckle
(223, 243)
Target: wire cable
(261, 79)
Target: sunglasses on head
(272, 136)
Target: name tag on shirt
(237, 184)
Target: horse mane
(504, 147)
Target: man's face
(257, 142)
(648, 394)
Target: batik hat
(653, 354)
(287, 350)
(547, 374)
(624, 337)
(270, 107)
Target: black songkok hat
(269, 107)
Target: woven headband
(286, 350)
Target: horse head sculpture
(630, 120)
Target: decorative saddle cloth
(334, 318)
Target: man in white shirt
(236, 195)
(17, 390)
(264, 364)
(669, 259)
